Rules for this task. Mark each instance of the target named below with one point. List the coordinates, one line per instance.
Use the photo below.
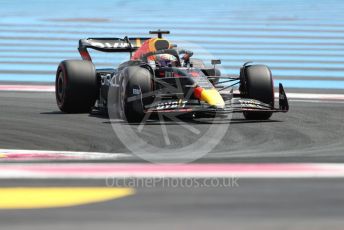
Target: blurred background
(301, 40)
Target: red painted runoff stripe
(36, 156)
(27, 155)
(119, 170)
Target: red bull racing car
(156, 80)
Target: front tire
(139, 83)
(258, 85)
(76, 86)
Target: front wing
(233, 105)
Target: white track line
(28, 88)
(74, 170)
(50, 88)
(312, 96)
(318, 101)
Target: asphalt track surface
(311, 132)
(252, 204)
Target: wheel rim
(60, 88)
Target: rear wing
(109, 45)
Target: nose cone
(210, 96)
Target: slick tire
(76, 86)
(138, 85)
(259, 86)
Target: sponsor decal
(136, 91)
(109, 44)
(171, 105)
(250, 103)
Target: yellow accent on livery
(213, 98)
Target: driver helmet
(164, 60)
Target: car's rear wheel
(76, 86)
(258, 85)
(137, 89)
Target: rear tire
(258, 85)
(139, 82)
(76, 86)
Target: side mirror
(216, 62)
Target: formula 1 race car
(156, 80)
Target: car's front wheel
(136, 93)
(258, 85)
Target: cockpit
(158, 51)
